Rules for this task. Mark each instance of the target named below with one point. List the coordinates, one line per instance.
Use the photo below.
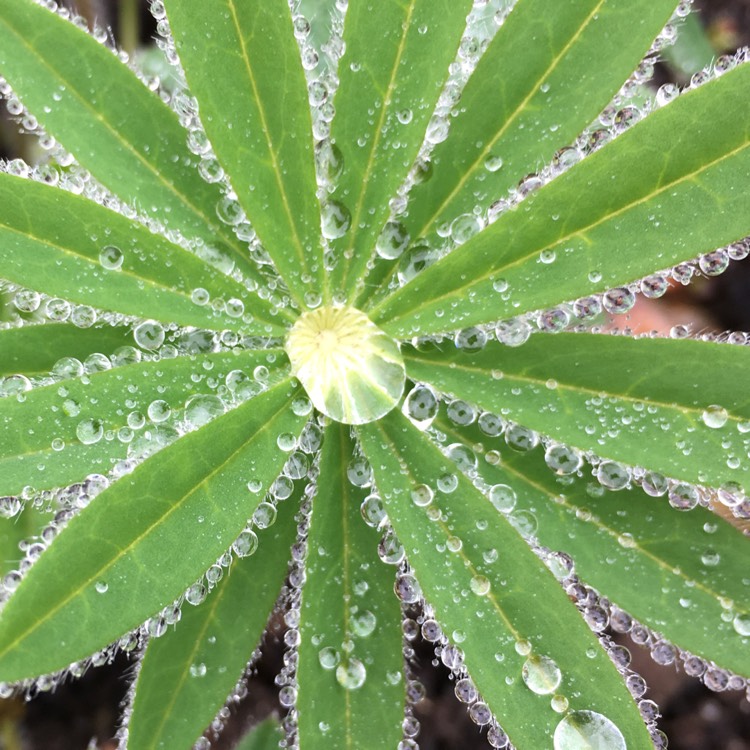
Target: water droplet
(89, 431)
(201, 409)
(265, 515)
(373, 511)
(421, 406)
(612, 475)
(715, 416)
(587, 730)
(563, 459)
(480, 585)
(741, 624)
(329, 657)
(245, 544)
(198, 670)
(101, 587)
(503, 497)
(541, 675)
(493, 163)
(363, 623)
(352, 674)
(392, 241)
(422, 495)
(111, 258)
(335, 219)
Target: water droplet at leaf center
(351, 370)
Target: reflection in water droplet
(352, 674)
(541, 675)
(715, 416)
(588, 730)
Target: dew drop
(101, 587)
(149, 335)
(111, 258)
(392, 241)
(89, 431)
(503, 497)
(541, 675)
(741, 624)
(363, 623)
(480, 585)
(715, 416)
(329, 658)
(352, 674)
(335, 219)
(587, 730)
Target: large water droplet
(588, 730)
(715, 416)
(352, 674)
(350, 369)
(541, 675)
(335, 220)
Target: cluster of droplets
(602, 616)
(422, 624)
(286, 679)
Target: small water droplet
(541, 675)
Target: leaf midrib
(692, 413)
(269, 144)
(365, 180)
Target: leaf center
(352, 371)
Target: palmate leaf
(258, 120)
(674, 572)
(70, 441)
(33, 350)
(655, 403)
(507, 125)
(85, 97)
(124, 557)
(185, 678)
(73, 248)
(378, 131)
(602, 224)
(348, 697)
(176, 497)
(509, 601)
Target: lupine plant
(317, 335)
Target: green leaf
(550, 89)
(513, 599)
(674, 572)
(87, 418)
(347, 599)
(143, 538)
(266, 736)
(186, 676)
(655, 403)
(603, 223)
(73, 248)
(554, 81)
(257, 117)
(34, 349)
(130, 140)
(383, 75)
